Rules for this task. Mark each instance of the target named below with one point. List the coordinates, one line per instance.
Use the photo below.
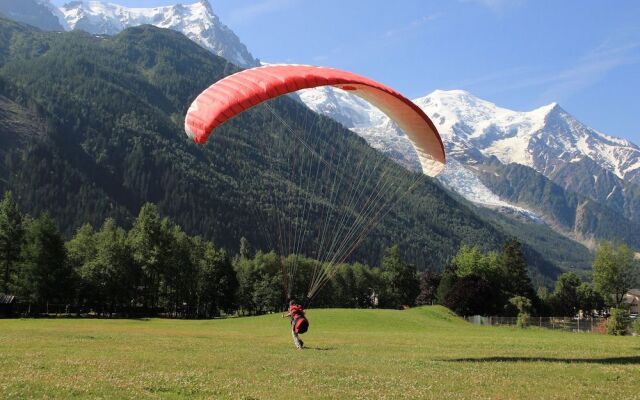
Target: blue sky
(519, 54)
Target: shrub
(523, 320)
(618, 322)
(523, 305)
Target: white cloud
(560, 84)
(592, 68)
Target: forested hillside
(94, 130)
(575, 214)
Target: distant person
(299, 323)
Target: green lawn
(419, 353)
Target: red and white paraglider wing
(236, 93)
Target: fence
(569, 324)
(53, 310)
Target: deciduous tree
(402, 281)
(614, 271)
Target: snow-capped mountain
(544, 139)
(478, 133)
(548, 139)
(197, 21)
(382, 134)
(56, 13)
(472, 128)
(351, 111)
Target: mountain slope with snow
(543, 139)
(197, 21)
(472, 129)
(478, 134)
(39, 13)
(548, 140)
(382, 134)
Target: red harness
(300, 322)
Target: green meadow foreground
(420, 353)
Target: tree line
(491, 283)
(155, 268)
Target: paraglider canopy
(345, 190)
(234, 94)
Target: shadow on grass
(607, 360)
(320, 348)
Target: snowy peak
(460, 113)
(543, 138)
(197, 21)
(206, 5)
(56, 13)
(547, 139)
(351, 111)
(457, 101)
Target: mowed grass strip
(353, 354)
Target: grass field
(419, 353)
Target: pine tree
(11, 239)
(45, 275)
(514, 271)
(148, 247)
